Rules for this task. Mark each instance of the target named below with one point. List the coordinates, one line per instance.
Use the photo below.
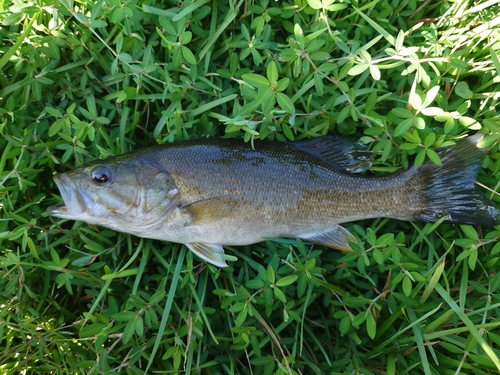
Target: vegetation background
(81, 80)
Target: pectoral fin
(337, 237)
(209, 210)
(212, 253)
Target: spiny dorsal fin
(336, 237)
(341, 153)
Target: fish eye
(101, 175)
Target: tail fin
(450, 187)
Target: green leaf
(299, 35)
(245, 32)
(412, 137)
(358, 69)
(92, 330)
(318, 83)
(129, 330)
(431, 95)
(157, 297)
(365, 56)
(139, 326)
(494, 59)
(470, 232)
(55, 256)
(419, 123)
(458, 63)
(271, 276)
(287, 280)
(432, 111)
(125, 57)
(283, 84)
(272, 72)
(430, 139)
(279, 294)
(124, 316)
(402, 112)
(285, 102)
(371, 325)
(445, 116)
(407, 286)
(336, 7)
(433, 156)
(345, 325)
(478, 287)
(408, 146)
(419, 159)
(256, 80)
(469, 122)
(375, 72)
(320, 56)
(403, 127)
(462, 90)
(56, 127)
(315, 4)
(287, 131)
(98, 23)
(415, 101)
(188, 55)
(398, 44)
(255, 284)
(186, 37)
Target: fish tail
(449, 188)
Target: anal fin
(336, 237)
(211, 252)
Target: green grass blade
(189, 9)
(168, 306)
(207, 106)
(391, 339)
(225, 24)
(26, 30)
(377, 27)
(470, 326)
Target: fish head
(126, 196)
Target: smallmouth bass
(207, 193)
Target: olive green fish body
(211, 192)
(274, 190)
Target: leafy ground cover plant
(80, 80)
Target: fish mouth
(76, 201)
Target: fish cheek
(158, 194)
(114, 202)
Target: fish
(209, 193)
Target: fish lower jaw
(58, 210)
(62, 212)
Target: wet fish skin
(211, 192)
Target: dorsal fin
(345, 154)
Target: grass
(84, 80)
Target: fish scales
(289, 186)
